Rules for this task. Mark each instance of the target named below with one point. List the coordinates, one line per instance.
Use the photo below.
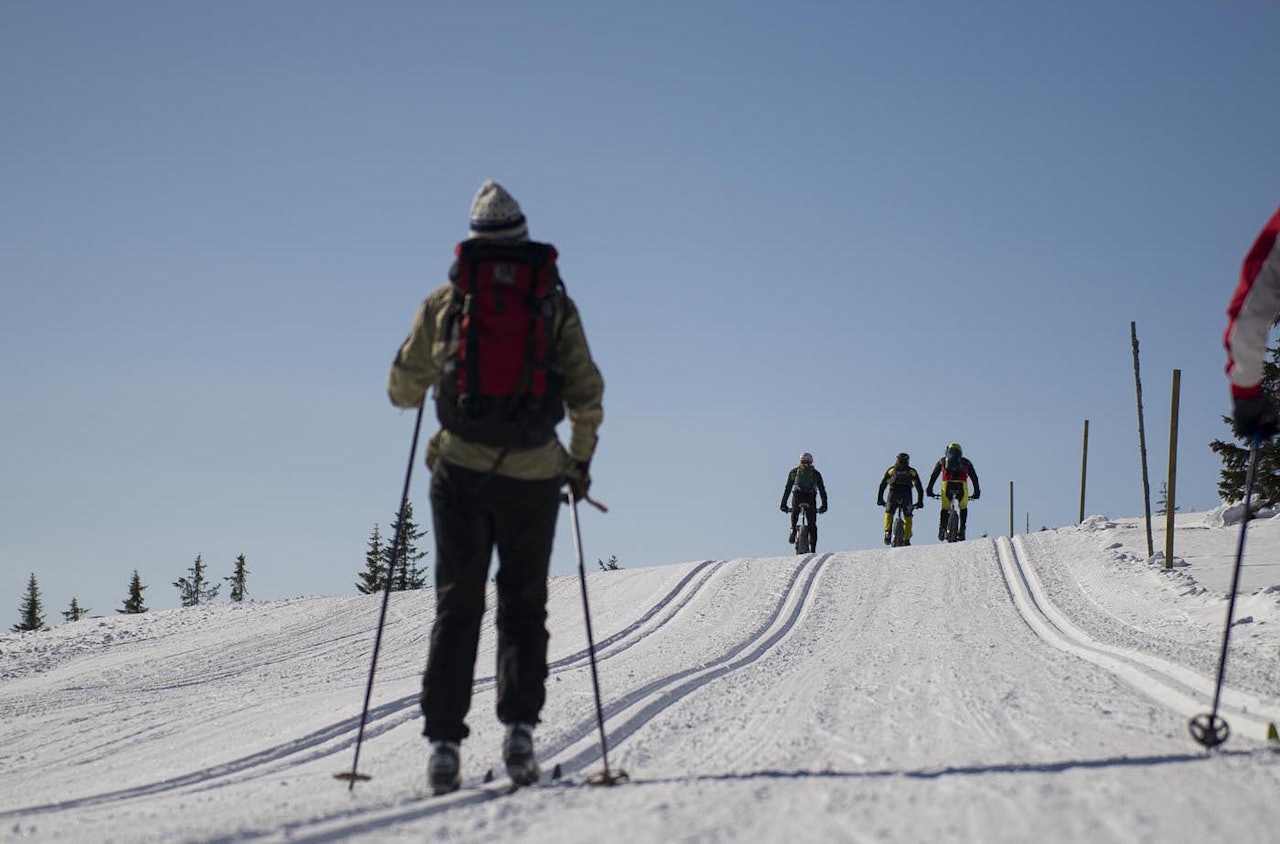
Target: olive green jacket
(422, 356)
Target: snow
(1033, 688)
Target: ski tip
(1272, 735)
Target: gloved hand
(976, 495)
(578, 477)
(823, 508)
(784, 508)
(1255, 417)
(880, 502)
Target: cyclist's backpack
(501, 384)
(805, 482)
(901, 478)
(953, 463)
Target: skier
(955, 470)
(496, 476)
(1254, 307)
(899, 478)
(804, 484)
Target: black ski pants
(472, 514)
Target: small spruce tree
(195, 590)
(1235, 457)
(374, 577)
(407, 573)
(32, 608)
(76, 612)
(611, 564)
(1162, 500)
(134, 603)
(237, 580)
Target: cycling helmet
(956, 448)
(904, 458)
(806, 458)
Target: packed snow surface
(1037, 688)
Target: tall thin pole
(1084, 467)
(1173, 470)
(1142, 439)
(353, 776)
(1011, 508)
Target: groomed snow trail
(923, 693)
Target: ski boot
(444, 771)
(517, 754)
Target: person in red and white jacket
(1254, 308)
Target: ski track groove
(340, 736)
(1174, 686)
(623, 717)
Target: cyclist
(955, 470)
(804, 485)
(899, 478)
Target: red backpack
(501, 384)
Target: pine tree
(611, 565)
(374, 577)
(76, 612)
(1235, 457)
(407, 573)
(194, 590)
(134, 603)
(1162, 501)
(237, 580)
(32, 608)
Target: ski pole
(353, 776)
(606, 777)
(1210, 729)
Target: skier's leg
(524, 526)
(464, 544)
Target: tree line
(194, 588)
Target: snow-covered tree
(32, 608)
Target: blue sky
(847, 228)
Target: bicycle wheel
(899, 530)
(802, 540)
(953, 526)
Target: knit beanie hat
(496, 215)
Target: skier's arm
(915, 476)
(973, 476)
(1254, 307)
(884, 482)
(822, 489)
(786, 490)
(415, 369)
(583, 385)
